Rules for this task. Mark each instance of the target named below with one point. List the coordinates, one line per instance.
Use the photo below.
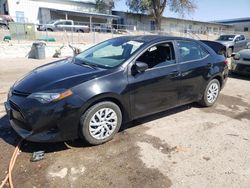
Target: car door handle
(209, 65)
(175, 74)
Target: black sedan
(91, 95)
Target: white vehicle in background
(63, 25)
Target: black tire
(229, 52)
(205, 101)
(87, 116)
(49, 29)
(80, 31)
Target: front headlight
(236, 57)
(50, 97)
(10, 92)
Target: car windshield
(226, 37)
(52, 21)
(110, 53)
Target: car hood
(62, 74)
(245, 53)
(225, 42)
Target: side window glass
(191, 51)
(237, 39)
(59, 23)
(67, 23)
(159, 55)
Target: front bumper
(33, 121)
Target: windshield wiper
(88, 65)
(83, 63)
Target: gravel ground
(188, 146)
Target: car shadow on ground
(158, 116)
(7, 134)
(10, 137)
(238, 76)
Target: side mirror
(236, 56)
(140, 66)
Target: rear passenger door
(195, 64)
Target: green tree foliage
(157, 7)
(104, 5)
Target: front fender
(113, 97)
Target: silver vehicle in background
(64, 25)
(233, 43)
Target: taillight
(226, 62)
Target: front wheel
(211, 93)
(101, 122)
(80, 31)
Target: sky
(207, 10)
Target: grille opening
(17, 109)
(20, 93)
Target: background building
(168, 24)
(240, 24)
(43, 11)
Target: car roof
(61, 20)
(154, 38)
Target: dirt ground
(185, 147)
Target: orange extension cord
(11, 166)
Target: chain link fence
(86, 33)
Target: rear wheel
(49, 29)
(211, 93)
(80, 31)
(101, 122)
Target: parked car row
(70, 25)
(241, 62)
(233, 43)
(105, 28)
(63, 25)
(237, 47)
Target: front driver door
(155, 89)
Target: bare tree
(157, 7)
(104, 5)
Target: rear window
(191, 51)
(217, 47)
